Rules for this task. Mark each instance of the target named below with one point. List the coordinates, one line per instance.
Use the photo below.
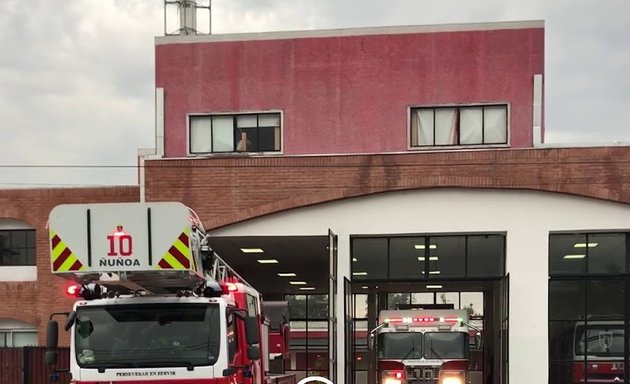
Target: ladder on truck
(154, 247)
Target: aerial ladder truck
(154, 302)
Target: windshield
(445, 345)
(415, 345)
(400, 345)
(147, 335)
(600, 340)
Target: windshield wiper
(435, 354)
(154, 363)
(112, 364)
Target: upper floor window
(459, 125)
(17, 247)
(251, 132)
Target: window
(588, 306)
(308, 340)
(18, 338)
(459, 125)
(232, 345)
(257, 132)
(428, 257)
(17, 247)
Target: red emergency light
(73, 290)
(423, 319)
(228, 288)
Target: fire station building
(350, 171)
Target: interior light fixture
(307, 289)
(434, 272)
(268, 261)
(574, 256)
(584, 245)
(252, 250)
(431, 258)
(434, 286)
(297, 282)
(422, 246)
(354, 259)
(364, 287)
(287, 274)
(359, 273)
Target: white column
(527, 264)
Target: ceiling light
(268, 261)
(307, 289)
(574, 256)
(251, 250)
(434, 287)
(354, 259)
(431, 258)
(287, 274)
(364, 287)
(434, 272)
(359, 273)
(297, 282)
(584, 245)
(422, 246)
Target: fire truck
(598, 350)
(154, 302)
(422, 346)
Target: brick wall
(228, 190)
(32, 302)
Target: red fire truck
(154, 303)
(598, 350)
(422, 346)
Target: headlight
(451, 379)
(391, 380)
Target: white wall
(526, 216)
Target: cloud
(76, 76)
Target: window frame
(189, 116)
(459, 107)
(588, 280)
(27, 247)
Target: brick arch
(29, 319)
(224, 191)
(327, 197)
(6, 219)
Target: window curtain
(495, 125)
(471, 125)
(424, 126)
(446, 123)
(200, 134)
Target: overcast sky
(76, 76)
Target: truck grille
(422, 375)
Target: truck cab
(154, 303)
(422, 346)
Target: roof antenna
(185, 15)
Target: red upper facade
(351, 91)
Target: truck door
(332, 307)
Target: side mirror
(52, 334)
(72, 317)
(253, 352)
(252, 331)
(478, 340)
(51, 357)
(371, 341)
